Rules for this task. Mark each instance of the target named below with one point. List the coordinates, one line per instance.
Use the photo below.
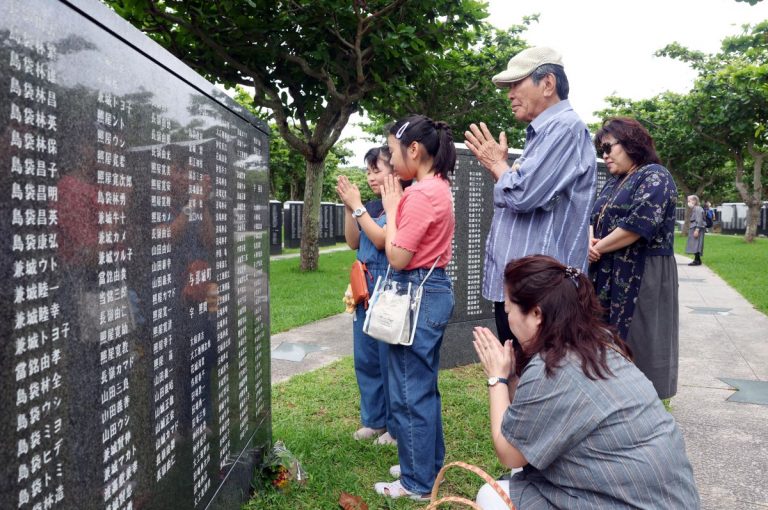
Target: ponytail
(435, 137)
(445, 159)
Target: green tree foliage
(730, 107)
(311, 63)
(456, 88)
(355, 174)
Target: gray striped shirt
(606, 443)
(543, 206)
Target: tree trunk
(754, 197)
(310, 228)
(753, 218)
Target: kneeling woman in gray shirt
(570, 408)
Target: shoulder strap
(430, 272)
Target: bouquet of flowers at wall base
(280, 469)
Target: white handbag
(393, 310)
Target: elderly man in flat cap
(543, 201)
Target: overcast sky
(608, 47)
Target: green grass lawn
(743, 266)
(316, 413)
(298, 298)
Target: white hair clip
(402, 129)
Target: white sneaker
(394, 471)
(367, 433)
(387, 439)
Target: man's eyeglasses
(606, 148)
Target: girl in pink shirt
(419, 237)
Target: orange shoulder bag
(358, 277)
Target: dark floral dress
(643, 203)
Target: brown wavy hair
(633, 137)
(571, 315)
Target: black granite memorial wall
(473, 207)
(275, 227)
(134, 366)
(327, 227)
(338, 221)
(292, 211)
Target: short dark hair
(435, 136)
(633, 137)
(373, 155)
(561, 80)
(571, 315)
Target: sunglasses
(606, 148)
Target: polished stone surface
(292, 227)
(275, 227)
(327, 224)
(472, 189)
(709, 310)
(338, 221)
(751, 392)
(134, 368)
(295, 352)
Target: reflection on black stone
(135, 237)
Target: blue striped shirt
(544, 206)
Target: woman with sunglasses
(632, 263)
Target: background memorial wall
(134, 366)
(472, 189)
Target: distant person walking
(633, 266)
(696, 230)
(709, 214)
(364, 231)
(542, 202)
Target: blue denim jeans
(370, 357)
(415, 399)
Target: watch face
(492, 381)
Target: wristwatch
(359, 212)
(492, 381)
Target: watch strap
(497, 380)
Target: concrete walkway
(726, 441)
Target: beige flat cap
(525, 62)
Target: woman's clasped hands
(497, 360)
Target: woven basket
(435, 502)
